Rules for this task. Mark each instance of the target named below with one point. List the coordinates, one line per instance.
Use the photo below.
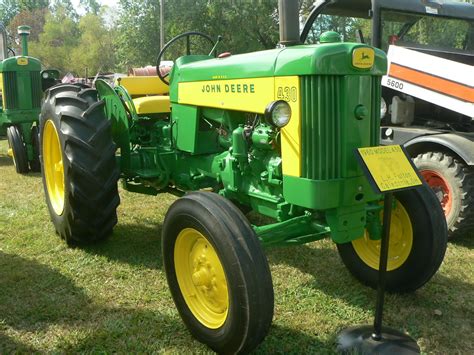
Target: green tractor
(272, 132)
(21, 89)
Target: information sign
(389, 168)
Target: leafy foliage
(100, 39)
(137, 31)
(57, 41)
(94, 50)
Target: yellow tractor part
(53, 167)
(201, 278)
(401, 241)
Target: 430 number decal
(287, 93)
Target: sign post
(388, 169)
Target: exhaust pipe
(289, 22)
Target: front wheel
(17, 150)
(217, 273)
(418, 240)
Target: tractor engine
(289, 120)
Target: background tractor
(21, 88)
(428, 95)
(273, 132)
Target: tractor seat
(143, 85)
(146, 105)
(149, 94)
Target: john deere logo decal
(22, 61)
(363, 58)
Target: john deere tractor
(21, 88)
(273, 132)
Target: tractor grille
(323, 125)
(10, 85)
(36, 93)
(11, 90)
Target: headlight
(278, 113)
(45, 75)
(383, 108)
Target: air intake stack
(24, 32)
(289, 22)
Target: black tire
(427, 249)
(249, 284)
(88, 158)
(458, 178)
(16, 144)
(35, 165)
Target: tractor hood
(18, 63)
(318, 59)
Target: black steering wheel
(188, 50)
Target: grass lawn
(114, 297)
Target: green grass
(113, 296)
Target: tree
(10, 8)
(95, 50)
(137, 32)
(55, 45)
(34, 18)
(65, 6)
(91, 6)
(245, 26)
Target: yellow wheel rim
(11, 154)
(53, 167)
(401, 241)
(201, 278)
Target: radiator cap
(330, 37)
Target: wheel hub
(201, 278)
(440, 187)
(401, 240)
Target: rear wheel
(418, 239)
(453, 183)
(78, 164)
(17, 149)
(217, 273)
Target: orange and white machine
(440, 81)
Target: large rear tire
(217, 273)
(18, 150)
(418, 240)
(79, 170)
(453, 183)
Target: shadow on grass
(5, 160)
(134, 331)
(33, 175)
(34, 298)
(450, 295)
(283, 340)
(466, 240)
(331, 276)
(10, 346)
(133, 244)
